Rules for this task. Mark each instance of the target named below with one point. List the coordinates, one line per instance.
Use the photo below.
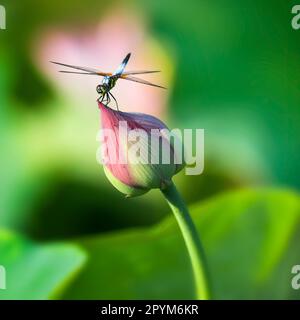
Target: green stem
(191, 239)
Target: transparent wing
(135, 79)
(74, 72)
(85, 69)
(122, 66)
(138, 72)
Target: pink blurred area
(104, 46)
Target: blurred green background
(232, 68)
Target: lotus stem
(192, 241)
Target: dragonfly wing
(85, 69)
(122, 66)
(138, 72)
(135, 79)
(78, 72)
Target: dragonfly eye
(99, 89)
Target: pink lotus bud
(137, 151)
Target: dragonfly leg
(115, 100)
(108, 98)
(104, 98)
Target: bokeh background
(231, 67)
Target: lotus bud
(133, 147)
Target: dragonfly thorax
(109, 82)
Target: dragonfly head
(101, 89)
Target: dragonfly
(109, 79)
